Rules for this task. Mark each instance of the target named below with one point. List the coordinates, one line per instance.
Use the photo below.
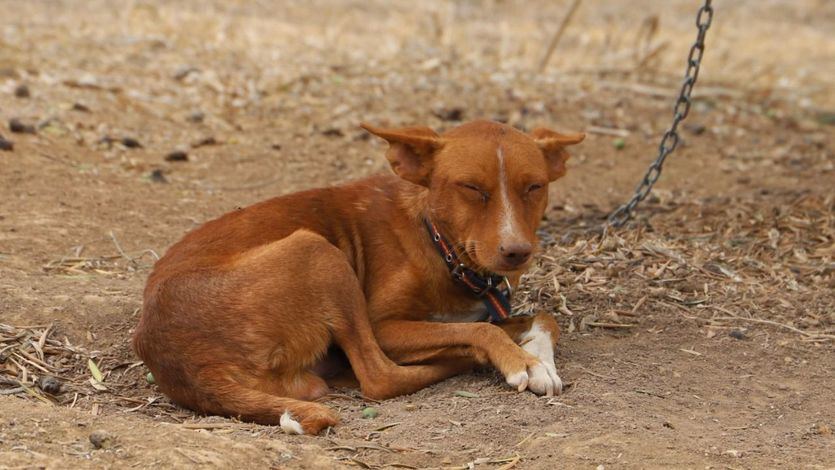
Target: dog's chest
(467, 313)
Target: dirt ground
(700, 336)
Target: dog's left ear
(410, 151)
(553, 146)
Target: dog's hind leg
(229, 397)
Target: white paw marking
(543, 377)
(290, 425)
(519, 380)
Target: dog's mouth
(471, 256)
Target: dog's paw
(538, 377)
(518, 380)
(543, 380)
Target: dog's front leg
(538, 335)
(402, 338)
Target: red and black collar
(493, 289)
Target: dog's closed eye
(475, 190)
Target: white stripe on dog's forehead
(507, 229)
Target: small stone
(695, 128)
(177, 156)
(22, 91)
(737, 334)
(49, 384)
(196, 117)
(101, 439)
(333, 132)
(131, 143)
(6, 145)
(157, 176)
(370, 412)
(184, 71)
(80, 107)
(411, 407)
(449, 114)
(205, 142)
(734, 453)
(18, 127)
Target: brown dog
(240, 314)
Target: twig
(608, 131)
(558, 34)
(525, 439)
(639, 304)
(120, 250)
(511, 464)
(810, 334)
(611, 325)
(601, 376)
(206, 425)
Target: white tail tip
(290, 425)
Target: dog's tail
(228, 397)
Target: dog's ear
(553, 146)
(410, 151)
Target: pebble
(18, 127)
(204, 142)
(449, 114)
(6, 145)
(737, 334)
(370, 412)
(131, 143)
(49, 384)
(22, 91)
(101, 439)
(333, 132)
(157, 176)
(695, 128)
(177, 156)
(196, 117)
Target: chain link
(670, 140)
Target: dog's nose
(515, 254)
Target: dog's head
(487, 184)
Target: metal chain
(682, 107)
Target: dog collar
(493, 289)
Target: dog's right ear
(410, 151)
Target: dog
(394, 272)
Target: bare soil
(699, 336)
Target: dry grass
(722, 262)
